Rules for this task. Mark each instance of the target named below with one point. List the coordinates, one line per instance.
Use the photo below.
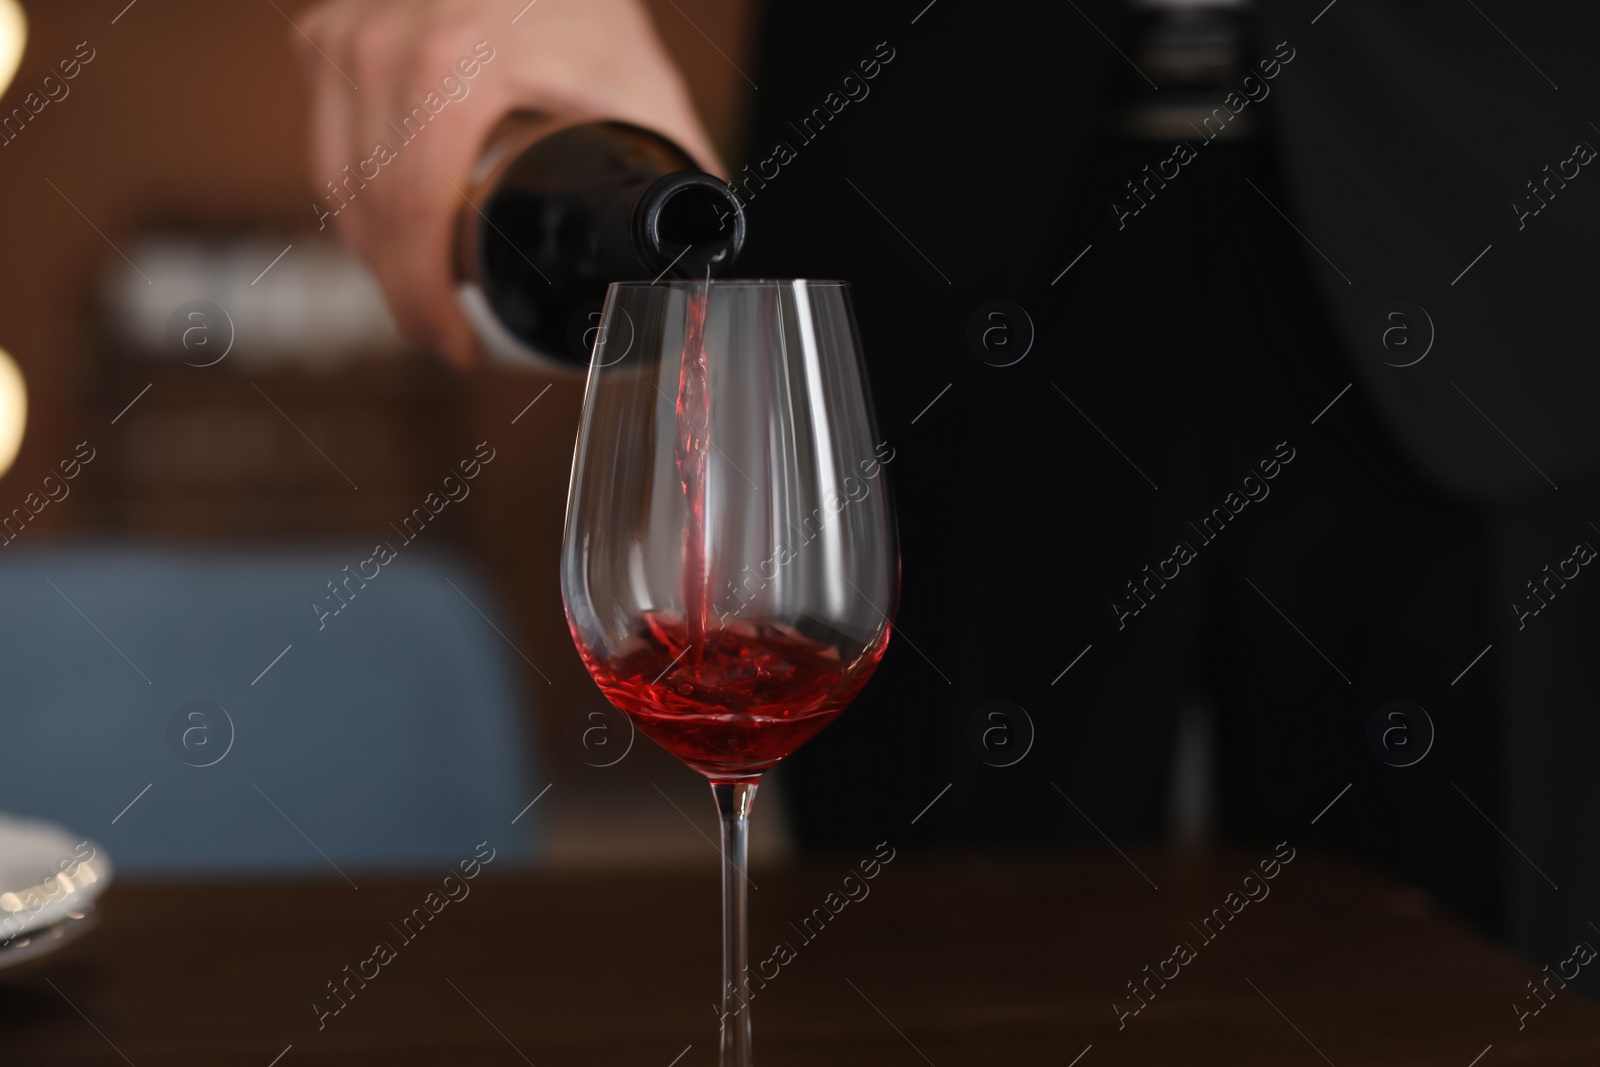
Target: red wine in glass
(730, 567)
(756, 694)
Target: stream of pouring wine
(693, 444)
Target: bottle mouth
(695, 215)
(690, 222)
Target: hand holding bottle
(373, 64)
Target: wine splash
(761, 691)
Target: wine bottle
(554, 217)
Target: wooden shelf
(219, 454)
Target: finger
(318, 36)
(315, 35)
(331, 123)
(422, 300)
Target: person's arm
(370, 62)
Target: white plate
(17, 954)
(47, 876)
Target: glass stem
(733, 805)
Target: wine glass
(729, 566)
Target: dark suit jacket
(1408, 133)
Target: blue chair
(391, 735)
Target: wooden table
(947, 959)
